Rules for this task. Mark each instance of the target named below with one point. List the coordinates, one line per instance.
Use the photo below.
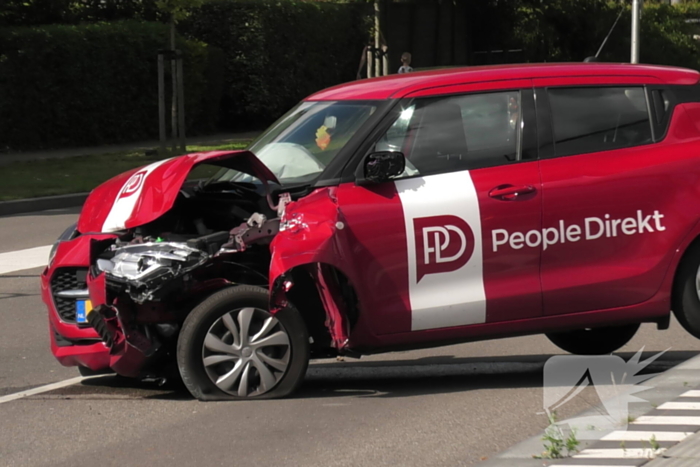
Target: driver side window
(454, 133)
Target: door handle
(510, 192)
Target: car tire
(594, 341)
(685, 299)
(231, 347)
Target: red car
(403, 212)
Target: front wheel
(594, 341)
(232, 347)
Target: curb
(667, 386)
(21, 206)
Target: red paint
(160, 187)
(395, 86)
(622, 270)
(511, 279)
(73, 253)
(336, 309)
(361, 231)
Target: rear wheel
(686, 292)
(594, 341)
(232, 347)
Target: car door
(605, 189)
(430, 242)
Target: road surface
(444, 407)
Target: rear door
(604, 188)
(471, 176)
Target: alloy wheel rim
(246, 352)
(697, 283)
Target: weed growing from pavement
(556, 445)
(654, 443)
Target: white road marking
(692, 393)
(41, 389)
(645, 436)
(666, 420)
(24, 259)
(633, 453)
(680, 406)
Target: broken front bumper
(72, 344)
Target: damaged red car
(403, 212)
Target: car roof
(396, 86)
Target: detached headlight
(69, 234)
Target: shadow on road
(389, 378)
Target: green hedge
(74, 85)
(278, 51)
(571, 30)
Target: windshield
(304, 141)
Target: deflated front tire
(231, 347)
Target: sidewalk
(685, 454)
(671, 416)
(220, 138)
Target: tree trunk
(173, 73)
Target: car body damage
(142, 195)
(391, 215)
(143, 286)
(311, 238)
(163, 245)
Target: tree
(176, 10)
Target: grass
(556, 444)
(49, 177)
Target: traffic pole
(634, 52)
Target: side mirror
(379, 167)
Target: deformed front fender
(311, 236)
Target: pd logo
(443, 244)
(133, 184)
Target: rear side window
(593, 119)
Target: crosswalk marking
(24, 259)
(666, 420)
(645, 436)
(632, 453)
(680, 406)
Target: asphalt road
(446, 406)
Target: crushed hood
(142, 195)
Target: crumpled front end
(157, 250)
(143, 289)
